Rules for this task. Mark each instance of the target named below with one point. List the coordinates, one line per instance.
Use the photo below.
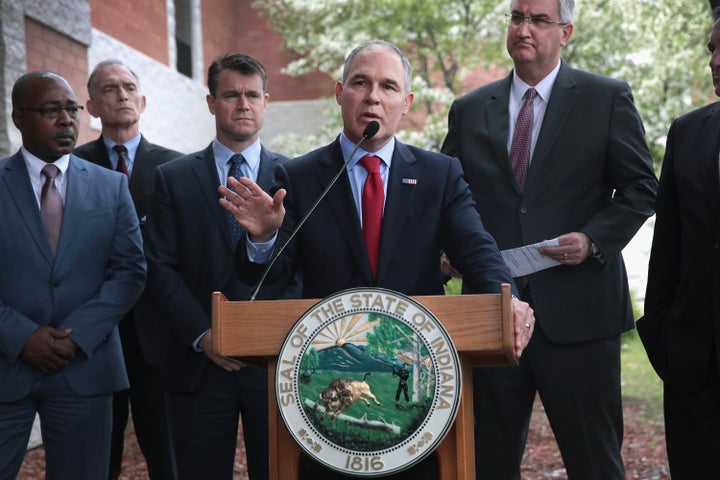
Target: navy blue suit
(190, 251)
(421, 219)
(96, 276)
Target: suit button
(523, 210)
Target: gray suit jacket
(97, 275)
(591, 171)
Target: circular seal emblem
(368, 382)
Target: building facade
(169, 44)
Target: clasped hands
(49, 349)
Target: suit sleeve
(664, 267)
(123, 284)
(467, 243)
(631, 174)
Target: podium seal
(368, 382)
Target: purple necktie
(522, 137)
(51, 206)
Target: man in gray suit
(590, 183)
(72, 266)
(116, 99)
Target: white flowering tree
(657, 46)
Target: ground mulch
(643, 451)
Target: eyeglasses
(515, 20)
(73, 111)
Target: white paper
(528, 259)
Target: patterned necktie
(373, 199)
(51, 206)
(122, 156)
(520, 147)
(236, 162)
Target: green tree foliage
(657, 46)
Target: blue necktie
(236, 162)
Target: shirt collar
(251, 154)
(131, 146)
(543, 89)
(35, 164)
(385, 152)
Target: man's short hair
(238, 62)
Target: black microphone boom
(370, 130)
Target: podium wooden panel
(481, 327)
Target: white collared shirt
(37, 179)
(540, 102)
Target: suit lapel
(400, 196)
(710, 150)
(497, 120)
(17, 181)
(207, 181)
(266, 172)
(562, 100)
(75, 202)
(342, 204)
(142, 174)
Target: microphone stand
(370, 130)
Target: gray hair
(96, 71)
(566, 8)
(377, 45)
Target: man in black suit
(115, 98)
(428, 208)
(590, 184)
(680, 329)
(191, 243)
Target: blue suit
(97, 275)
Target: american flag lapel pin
(409, 181)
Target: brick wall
(235, 26)
(47, 49)
(141, 24)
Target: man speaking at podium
(424, 207)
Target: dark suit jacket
(591, 172)
(147, 158)
(420, 220)
(96, 276)
(681, 326)
(190, 254)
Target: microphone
(370, 130)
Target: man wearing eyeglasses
(552, 152)
(72, 266)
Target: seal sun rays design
(351, 328)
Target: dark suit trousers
(579, 385)
(147, 399)
(75, 430)
(204, 424)
(692, 429)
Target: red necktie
(373, 199)
(522, 137)
(122, 152)
(51, 206)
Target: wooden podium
(481, 327)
